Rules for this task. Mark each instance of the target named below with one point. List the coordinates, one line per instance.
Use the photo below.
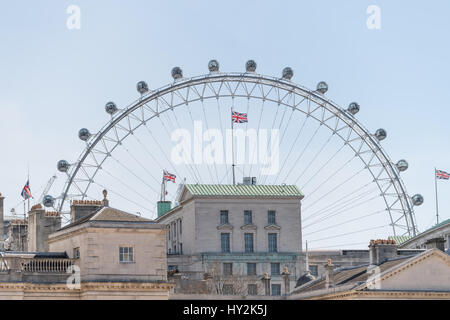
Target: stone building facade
(104, 253)
(231, 236)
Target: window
(251, 269)
(181, 248)
(273, 242)
(180, 227)
(228, 289)
(248, 239)
(271, 217)
(275, 269)
(170, 232)
(247, 217)
(252, 290)
(314, 270)
(76, 253)
(228, 269)
(225, 242)
(175, 230)
(223, 216)
(276, 289)
(172, 267)
(126, 254)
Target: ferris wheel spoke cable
(223, 135)
(292, 147)
(345, 222)
(342, 210)
(148, 151)
(257, 136)
(140, 164)
(279, 127)
(344, 197)
(162, 150)
(126, 185)
(123, 197)
(190, 154)
(339, 203)
(348, 233)
(135, 175)
(322, 167)
(332, 175)
(314, 158)
(339, 245)
(192, 167)
(207, 167)
(207, 128)
(297, 161)
(336, 187)
(267, 146)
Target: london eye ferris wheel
(353, 190)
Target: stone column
(286, 280)
(266, 281)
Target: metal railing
(40, 265)
(47, 265)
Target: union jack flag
(237, 117)
(169, 176)
(26, 192)
(442, 175)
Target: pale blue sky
(54, 80)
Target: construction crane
(47, 187)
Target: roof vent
(249, 181)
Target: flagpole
(232, 147)
(435, 188)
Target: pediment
(225, 226)
(427, 271)
(272, 227)
(249, 226)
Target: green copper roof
(244, 190)
(399, 239)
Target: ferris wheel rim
(279, 83)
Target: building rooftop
(108, 214)
(211, 190)
(407, 239)
(349, 275)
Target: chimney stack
(329, 275)
(435, 243)
(382, 250)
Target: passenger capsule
(322, 87)
(84, 134)
(287, 73)
(402, 165)
(63, 165)
(142, 87)
(213, 66)
(380, 134)
(177, 73)
(250, 66)
(111, 108)
(353, 108)
(417, 199)
(48, 201)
